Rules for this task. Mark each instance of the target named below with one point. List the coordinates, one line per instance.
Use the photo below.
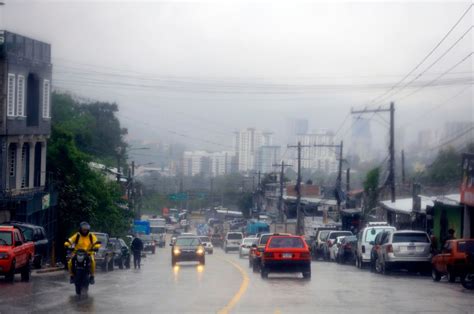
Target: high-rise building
(208, 164)
(247, 143)
(361, 139)
(318, 158)
(267, 156)
(222, 163)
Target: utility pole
(348, 179)
(339, 178)
(391, 176)
(403, 167)
(282, 185)
(299, 216)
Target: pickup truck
(15, 254)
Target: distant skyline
(195, 72)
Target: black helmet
(84, 228)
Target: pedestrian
(451, 234)
(137, 248)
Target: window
(46, 98)
(20, 96)
(11, 95)
(410, 237)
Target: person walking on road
(137, 248)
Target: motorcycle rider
(85, 240)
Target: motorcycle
(467, 279)
(81, 269)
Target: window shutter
(11, 95)
(46, 98)
(20, 98)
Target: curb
(49, 270)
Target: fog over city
(195, 72)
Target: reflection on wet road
(227, 284)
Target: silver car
(246, 246)
(408, 249)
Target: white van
(232, 241)
(365, 240)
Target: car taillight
(389, 248)
(268, 255)
(257, 252)
(305, 255)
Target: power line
(425, 58)
(454, 138)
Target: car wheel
(111, 264)
(25, 272)
(378, 266)
(211, 252)
(307, 274)
(264, 272)
(385, 268)
(467, 281)
(451, 276)
(10, 276)
(120, 263)
(435, 274)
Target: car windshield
(5, 238)
(286, 242)
(410, 237)
(466, 246)
(102, 238)
(27, 233)
(205, 239)
(372, 233)
(334, 235)
(234, 236)
(188, 241)
(249, 241)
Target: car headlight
(176, 251)
(200, 251)
(4, 256)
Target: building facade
(318, 158)
(208, 164)
(247, 143)
(267, 157)
(25, 123)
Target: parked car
(286, 254)
(232, 241)
(206, 243)
(453, 260)
(246, 245)
(37, 235)
(317, 244)
(408, 249)
(365, 240)
(149, 244)
(187, 248)
(104, 258)
(16, 253)
(121, 253)
(331, 241)
(347, 248)
(376, 247)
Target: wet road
(226, 284)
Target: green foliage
(371, 189)
(245, 203)
(85, 194)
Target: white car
(365, 241)
(246, 246)
(206, 243)
(232, 241)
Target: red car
(15, 253)
(453, 260)
(286, 254)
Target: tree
(245, 203)
(371, 189)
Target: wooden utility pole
(282, 185)
(299, 216)
(339, 178)
(391, 175)
(348, 179)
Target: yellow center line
(243, 287)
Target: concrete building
(318, 158)
(222, 163)
(267, 156)
(25, 123)
(247, 143)
(208, 164)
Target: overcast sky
(205, 69)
